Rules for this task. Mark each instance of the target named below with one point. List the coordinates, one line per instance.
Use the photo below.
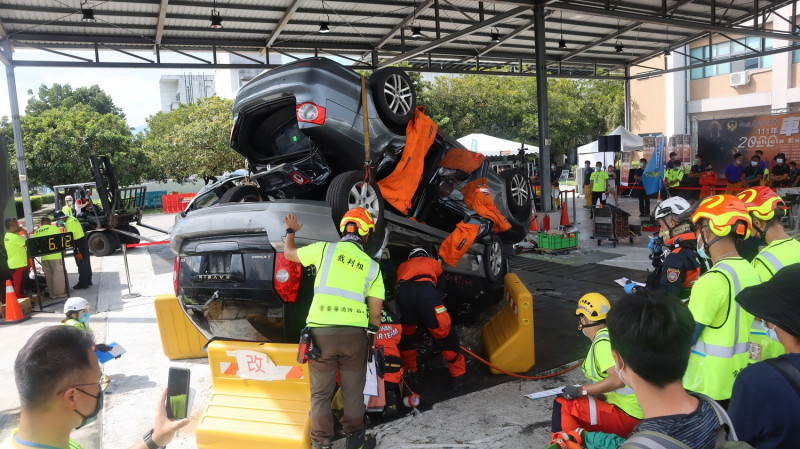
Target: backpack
(726, 435)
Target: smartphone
(178, 393)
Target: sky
(133, 90)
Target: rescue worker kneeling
(583, 405)
(419, 299)
(348, 298)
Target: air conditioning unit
(740, 79)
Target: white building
(184, 89)
(228, 81)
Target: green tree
(63, 96)
(193, 139)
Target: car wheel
(494, 262)
(103, 243)
(348, 190)
(394, 95)
(246, 193)
(518, 190)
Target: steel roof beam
(422, 7)
(702, 26)
(287, 15)
(162, 16)
(453, 36)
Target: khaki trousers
(587, 192)
(54, 275)
(347, 353)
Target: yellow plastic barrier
(180, 339)
(508, 336)
(247, 411)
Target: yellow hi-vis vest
(673, 177)
(45, 230)
(81, 326)
(767, 263)
(621, 397)
(344, 279)
(67, 209)
(723, 347)
(16, 252)
(71, 224)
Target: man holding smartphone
(348, 299)
(61, 387)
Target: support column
(23, 173)
(541, 102)
(627, 89)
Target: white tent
(494, 146)
(630, 142)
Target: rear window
(288, 139)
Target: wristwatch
(148, 440)
(289, 231)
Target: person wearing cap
(780, 172)
(67, 207)
(720, 345)
(80, 250)
(765, 402)
(604, 403)
(671, 162)
(420, 283)
(345, 309)
(678, 267)
(17, 255)
(766, 209)
(52, 264)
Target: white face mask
(599, 167)
(770, 332)
(780, 161)
(754, 163)
(619, 374)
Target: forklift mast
(122, 206)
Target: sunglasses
(102, 384)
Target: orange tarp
(398, 188)
(458, 242)
(477, 198)
(462, 159)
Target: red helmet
(762, 202)
(357, 220)
(725, 213)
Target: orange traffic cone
(564, 216)
(534, 226)
(13, 310)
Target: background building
(184, 89)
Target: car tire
(103, 243)
(126, 240)
(245, 193)
(518, 191)
(346, 192)
(394, 96)
(494, 261)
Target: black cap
(776, 300)
(59, 215)
(673, 154)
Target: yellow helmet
(725, 213)
(762, 202)
(593, 306)
(357, 220)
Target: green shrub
(36, 204)
(47, 198)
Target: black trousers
(644, 203)
(598, 196)
(84, 264)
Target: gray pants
(54, 275)
(347, 353)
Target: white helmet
(68, 198)
(675, 205)
(75, 304)
(418, 252)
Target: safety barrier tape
(134, 245)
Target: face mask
(642, 163)
(599, 167)
(708, 168)
(754, 163)
(587, 165)
(737, 162)
(619, 374)
(84, 317)
(780, 161)
(552, 167)
(696, 162)
(770, 332)
(700, 249)
(93, 416)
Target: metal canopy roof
(456, 35)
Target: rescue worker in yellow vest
(67, 208)
(720, 345)
(673, 177)
(582, 405)
(80, 250)
(348, 299)
(766, 209)
(52, 264)
(17, 256)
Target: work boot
(360, 440)
(390, 410)
(321, 445)
(460, 382)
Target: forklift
(109, 222)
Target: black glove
(102, 347)
(573, 391)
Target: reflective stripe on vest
(772, 259)
(592, 411)
(602, 334)
(702, 348)
(324, 289)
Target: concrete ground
(497, 415)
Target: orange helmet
(725, 213)
(358, 217)
(762, 202)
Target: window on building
(724, 50)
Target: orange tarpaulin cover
(477, 198)
(398, 188)
(458, 242)
(462, 159)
